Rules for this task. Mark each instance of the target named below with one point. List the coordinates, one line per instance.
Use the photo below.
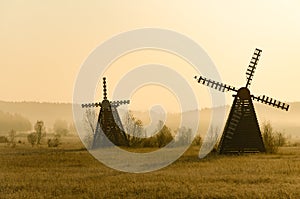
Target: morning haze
(43, 44)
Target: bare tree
(184, 136)
(90, 122)
(40, 131)
(11, 138)
(281, 139)
(210, 142)
(133, 128)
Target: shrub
(3, 139)
(272, 140)
(32, 138)
(164, 136)
(54, 142)
(197, 140)
(149, 142)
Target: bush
(149, 142)
(54, 142)
(32, 138)
(272, 139)
(164, 136)
(197, 140)
(3, 139)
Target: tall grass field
(69, 171)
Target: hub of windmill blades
(242, 133)
(105, 104)
(244, 93)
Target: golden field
(69, 171)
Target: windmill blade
(120, 102)
(272, 102)
(91, 105)
(104, 89)
(252, 66)
(213, 84)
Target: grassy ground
(71, 172)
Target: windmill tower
(109, 122)
(242, 133)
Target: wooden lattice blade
(214, 84)
(119, 102)
(270, 101)
(89, 105)
(252, 66)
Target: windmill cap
(244, 93)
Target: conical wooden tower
(242, 132)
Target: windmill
(108, 123)
(242, 133)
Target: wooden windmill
(109, 122)
(242, 133)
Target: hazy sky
(44, 43)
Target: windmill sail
(272, 102)
(214, 84)
(252, 66)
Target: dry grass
(71, 172)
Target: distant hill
(14, 121)
(289, 122)
(48, 112)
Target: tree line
(15, 121)
(39, 133)
(137, 135)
